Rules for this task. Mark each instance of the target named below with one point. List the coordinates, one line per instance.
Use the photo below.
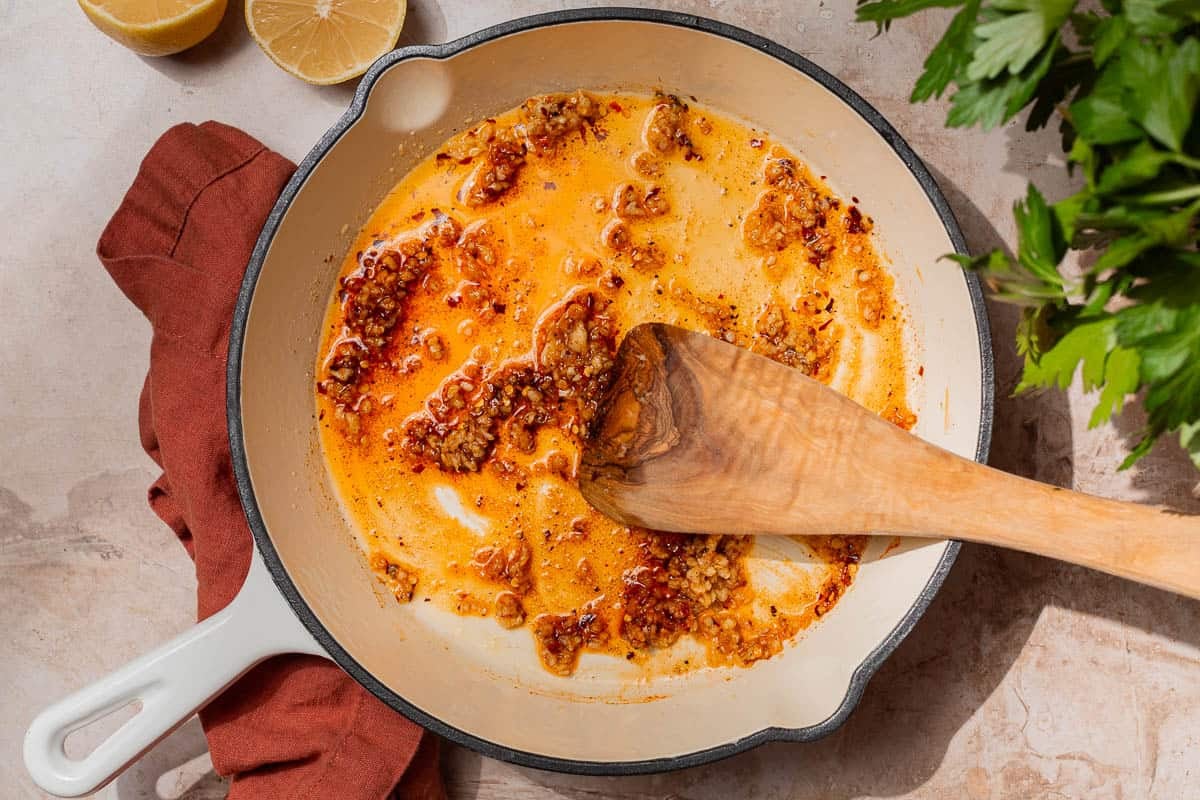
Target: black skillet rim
(284, 582)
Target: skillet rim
(867, 668)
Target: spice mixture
(474, 328)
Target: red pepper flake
(856, 218)
(499, 308)
(417, 217)
(440, 157)
(854, 199)
(418, 469)
(825, 324)
(615, 106)
(453, 300)
(756, 143)
(921, 371)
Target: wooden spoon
(696, 435)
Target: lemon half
(325, 41)
(155, 27)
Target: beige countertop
(1025, 678)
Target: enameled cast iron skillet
(308, 589)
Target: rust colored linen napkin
(295, 726)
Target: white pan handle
(171, 683)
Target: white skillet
(308, 589)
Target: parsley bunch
(1123, 81)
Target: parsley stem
(1169, 197)
(1186, 161)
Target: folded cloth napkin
(294, 727)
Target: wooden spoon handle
(975, 503)
(700, 436)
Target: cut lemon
(325, 41)
(155, 27)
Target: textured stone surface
(1025, 679)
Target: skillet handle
(171, 682)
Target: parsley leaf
(1103, 115)
(1110, 32)
(1189, 437)
(1138, 165)
(1010, 41)
(1159, 17)
(1164, 85)
(991, 102)
(1126, 86)
(950, 55)
(1086, 344)
(1120, 379)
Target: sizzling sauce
(474, 328)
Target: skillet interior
(468, 678)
